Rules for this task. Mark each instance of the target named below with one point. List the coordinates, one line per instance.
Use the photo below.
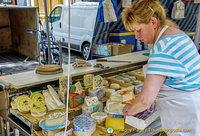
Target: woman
(173, 72)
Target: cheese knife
(105, 60)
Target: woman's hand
(151, 87)
(127, 110)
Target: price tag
(63, 82)
(90, 101)
(97, 82)
(79, 88)
(88, 80)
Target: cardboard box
(141, 123)
(76, 99)
(118, 49)
(122, 36)
(3, 101)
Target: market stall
(123, 78)
(24, 84)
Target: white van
(83, 18)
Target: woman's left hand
(127, 111)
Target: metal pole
(60, 50)
(47, 27)
(2, 126)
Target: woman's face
(144, 32)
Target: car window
(55, 14)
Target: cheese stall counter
(93, 89)
(30, 78)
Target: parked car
(83, 19)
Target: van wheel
(85, 50)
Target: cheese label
(89, 101)
(79, 88)
(88, 80)
(63, 83)
(97, 82)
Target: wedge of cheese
(121, 96)
(55, 96)
(114, 106)
(50, 103)
(115, 123)
(55, 119)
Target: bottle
(139, 45)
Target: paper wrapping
(100, 93)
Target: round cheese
(24, 103)
(13, 105)
(48, 67)
(38, 99)
(38, 111)
(114, 86)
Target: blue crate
(118, 36)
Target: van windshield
(55, 14)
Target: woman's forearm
(144, 100)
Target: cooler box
(102, 49)
(122, 36)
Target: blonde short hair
(142, 11)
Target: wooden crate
(13, 30)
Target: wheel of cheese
(24, 103)
(114, 86)
(48, 67)
(38, 111)
(106, 83)
(55, 119)
(13, 105)
(38, 99)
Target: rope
(68, 73)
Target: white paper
(196, 1)
(108, 11)
(126, 3)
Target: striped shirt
(176, 57)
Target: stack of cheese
(91, 105)
(137, 73)
(39, 108)
(119, 98)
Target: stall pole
(47, 28)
